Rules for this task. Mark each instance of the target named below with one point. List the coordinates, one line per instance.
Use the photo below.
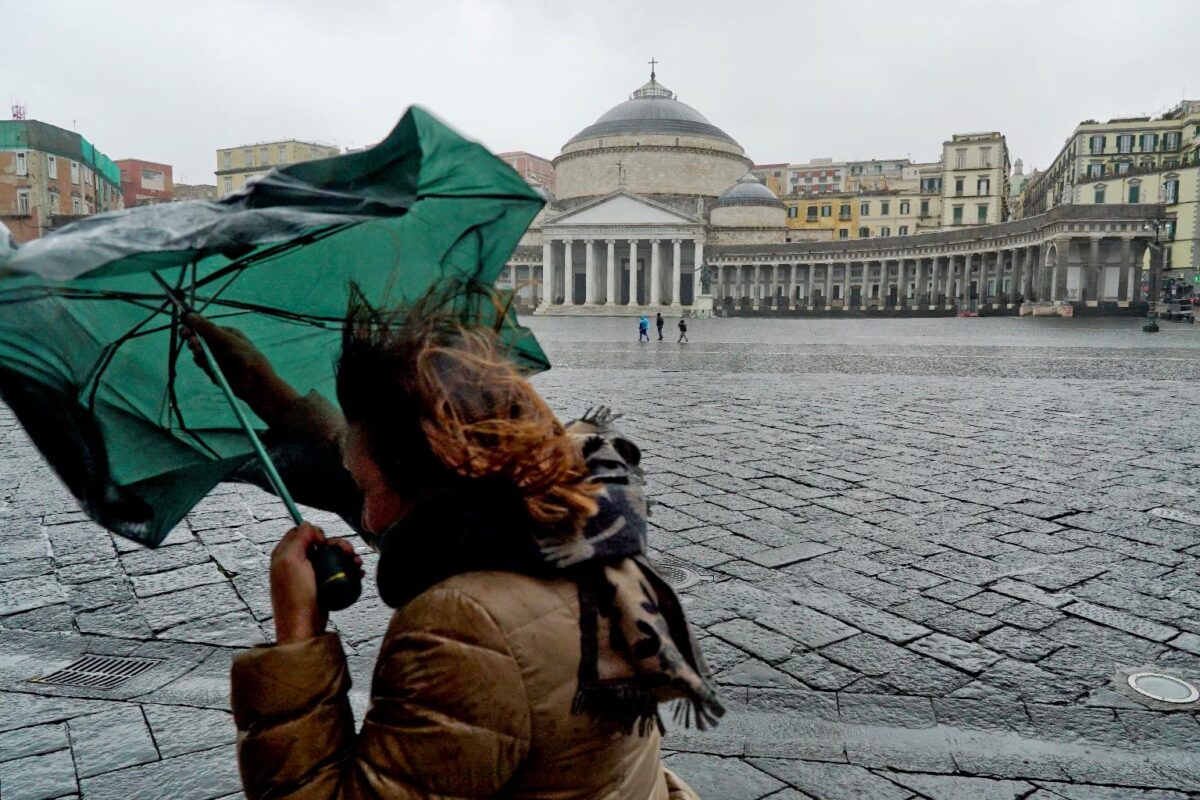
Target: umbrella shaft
(267, 464)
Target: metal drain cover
(682, 575)
(1164, 688)
(99, 672)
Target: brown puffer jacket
(471, 698)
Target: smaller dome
(748, 191)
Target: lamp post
(1158, 224)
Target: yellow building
(1176, 188)
(822, 217)
(237, 165)
(975, 174)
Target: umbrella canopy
(91, 360)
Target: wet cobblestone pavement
(923, 555)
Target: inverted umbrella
(90, 347)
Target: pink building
(534, 169)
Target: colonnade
(1080, 269)
(621, 272)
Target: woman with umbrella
(532, 641)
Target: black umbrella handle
(338, 581)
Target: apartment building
(237, 165)
(975, 173)
(534, 169)
(818, 176)
(145, 182)
(50, 176)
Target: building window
(904, 230)
(1095, 170)
(924, 208)
(1171, 191)
(983, 187)
(75, 172)
(793, 212)
(904, 207)
(248, 157)
(1098, 196)
(228, 159)
(1147, 165)
(885, 231)
(826, 211)
(22, 163)
(1097, 145)
(53, 202)
(812, 214)
(958, 187)
(884, 208)
(281, 154)
(864, 233)
(864, 209)
(843, 233)
(1135, 193)
(958, 215)
(985, 156)
(1149, 142)
(1122, 167)
(228, 184)
(960, 159)
(1171, 141)
(22, 201)
(76, 205)
(844, 211)
(981, 214)
(1125, 143)
(52, 167)
(264, 156)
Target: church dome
(652, 109)
(748, 191)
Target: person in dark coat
(682, 330)
(659, 322)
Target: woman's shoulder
(512, 600)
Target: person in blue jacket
(644, 329)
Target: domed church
(639, 194)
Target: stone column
(1027, 273)
(548, 269)
(884, 279)
(589, 273)
(1095, 275)
(790, 285)
(846, 287)
(922, 281)
(676, 271)
(773, 284)
(1125, 277)
(610, 273)
(633, 273)
(697, 264)
(568, 273)
(653, 297)
(964, 293)
(828, 283)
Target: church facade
(655, 208)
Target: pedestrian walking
(643, 329)
(660, 321)
(682, 329)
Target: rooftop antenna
(18, 111)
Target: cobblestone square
(923, 556)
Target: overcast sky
(174, 81)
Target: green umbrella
(91, 360)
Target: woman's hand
(294, 584)
(248, 371)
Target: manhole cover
(1164, 688)
(99, 672)
(682, 575)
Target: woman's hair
(434, 390)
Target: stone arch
(1049, 275)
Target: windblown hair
(440, 401)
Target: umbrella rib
(174, 347)
(110, 351)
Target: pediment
(621, 209)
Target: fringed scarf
(624, 602)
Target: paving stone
(182, 729)
(1019, 644)
(790, 554)
(38, 777)
(111, 740)
(861, 615)
(955, 652)
(964, 624)
(722, 778)
(1030, 616)
(832, 781)
(818, 672)
(173, 580)
(145, 561)
(26, 594)
(868, 655)
(807, 626)
(886, 711)
(950, 787)
(1121, 621)
(1077, 791)
(203, 775)
(753, 672)
(754, 639)
(33, 741)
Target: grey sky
(173, 81)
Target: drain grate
(99, 672)
(682, 575)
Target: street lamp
(1158, 224)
